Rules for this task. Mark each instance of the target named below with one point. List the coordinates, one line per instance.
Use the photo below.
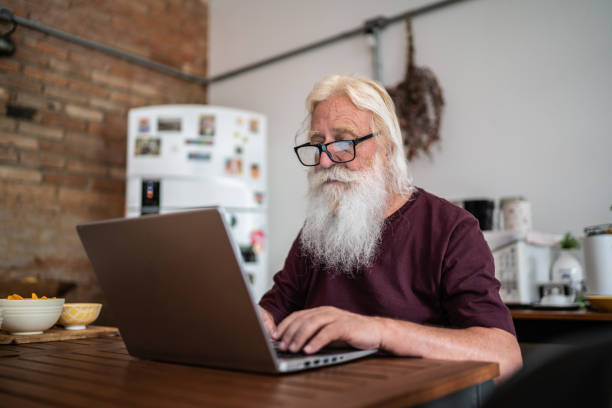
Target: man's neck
(396, 202)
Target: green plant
(569, 242)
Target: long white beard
(344, 221)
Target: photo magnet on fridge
(207, 125)
(168, 124)
(147, 146)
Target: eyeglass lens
(341, 151)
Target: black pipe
(366, 28)
(376, 23)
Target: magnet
(207, 125)
(258, 240)
(199, 142)
(233, 166)
(259, 197)
(147, 146)
(255, 170)
(143, 125)
(169, 124)
(254, 125)
(204, 156)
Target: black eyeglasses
(340, 151)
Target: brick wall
(65, 164)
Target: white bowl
(30, 316)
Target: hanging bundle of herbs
(418, 103)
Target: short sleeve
(470, 291)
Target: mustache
(334, 173)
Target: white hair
(371, 96)
(344, 223)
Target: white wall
(528, 89)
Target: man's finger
(308, 327)
(325, 336)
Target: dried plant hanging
(418, 103)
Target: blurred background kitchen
(526, 118)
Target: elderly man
(380, 263)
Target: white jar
(598, 262)
(517, 215)
(567, 268)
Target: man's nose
(325, 162)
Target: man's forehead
(336, 129)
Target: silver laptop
(176, 287)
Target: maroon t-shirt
(433, 267)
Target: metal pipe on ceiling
(370, 27)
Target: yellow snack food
(15, 296)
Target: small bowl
(600, 302)
(30, 316)
(76, 316)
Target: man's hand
(268, 320)
(312, 329)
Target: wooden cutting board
(58, 333)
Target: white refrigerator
(182, 157)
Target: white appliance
(181, 157)
(520, 265)
(521, 268)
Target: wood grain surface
(58, 333)
(582, 314)
(100, 372)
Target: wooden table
(99, 372)
(551, 326)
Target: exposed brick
(58, 119)
(111, 80)
(66, 94)
(86, 95)
(8, 155)
(29, 192)
(106, 104)
(84, 197)
(117, 172)
(47, 132)
(88, 88)
(78, 166)
(31, 101)
(26, 54)
(53, 147)
(45, 76)
(7, 123)
(14, 80)
(63, 179)
(47, 47)
(85, 146)
(111, 185)
(130, 99)
(108, 130)
(81, 112)
(41, 160)
(9, 65)
(17, 173)
(144, 89)
(21, 142)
